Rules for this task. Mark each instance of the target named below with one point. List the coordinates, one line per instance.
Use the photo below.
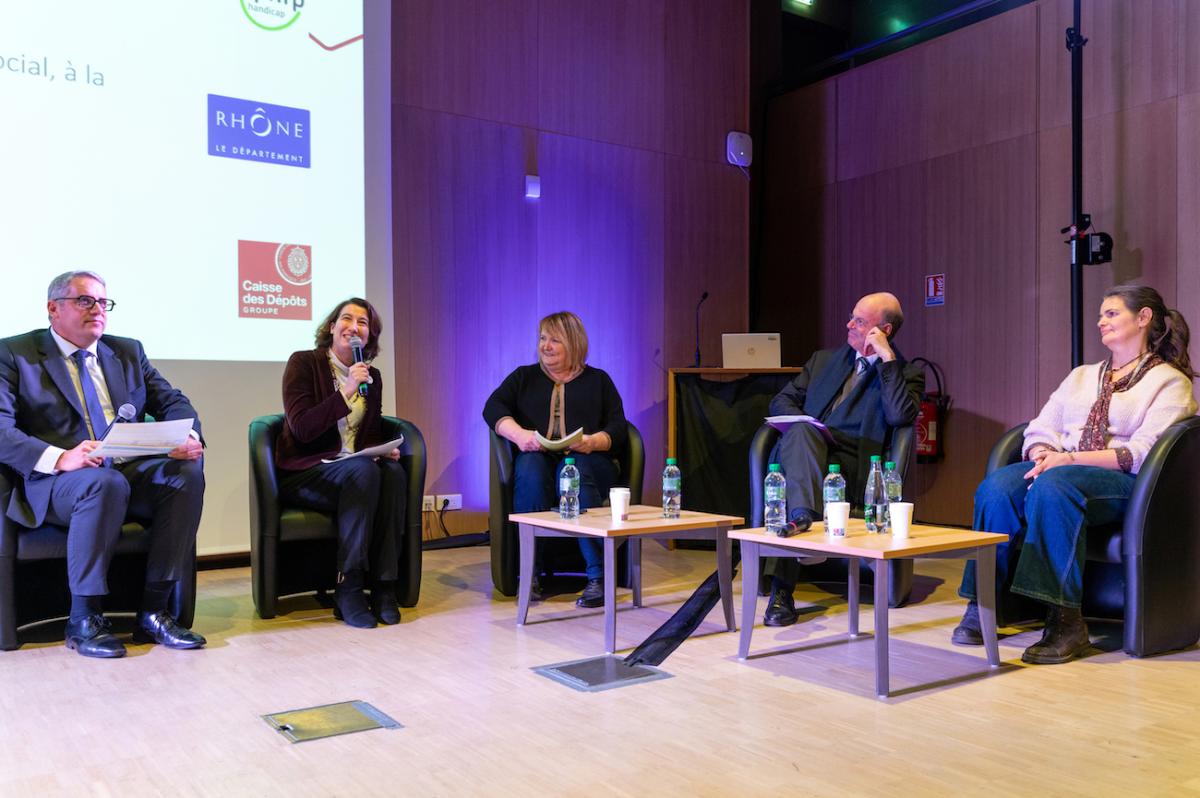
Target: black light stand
(1086, 248)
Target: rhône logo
(272, 15)
(257, 131)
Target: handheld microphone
(703, 297)
(356, 349)
(125, 412)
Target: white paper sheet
(371, 451)
(139, 440)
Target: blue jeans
(535, 488)
(1047, 521)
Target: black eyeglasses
(85, 302)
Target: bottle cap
(773, 467)
(834, 468)
(571, 461)
(671, 461)
(889, 464)
(875, 458)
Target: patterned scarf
(1095, 432)
(557, 426)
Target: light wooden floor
(798, 716)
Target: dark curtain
(715, 422)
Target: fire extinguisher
(930, 424)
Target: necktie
(860, 366)
(91, 400)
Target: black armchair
(1144, 571)
(293, 550)
(558, 555)
(898, 450)
(33, 574)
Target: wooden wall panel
(577, 93)
(706, 82)
(465, 270)
(1188, 32)
(1132, 56)
(980, 84)
(881, 122)
(475, 58)
(705, 247)
(601, 70)
(1187, 293)
(1130, 190)
(985, 243)
(801, 137)
(883, 245)
(600, 251)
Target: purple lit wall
(621, 108)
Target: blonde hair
(566, 326)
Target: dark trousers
(92, 503)
(368, 500)
(535, 488)
(805, 456)
(1047, 521)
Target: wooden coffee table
(643, 522)
(923, 541)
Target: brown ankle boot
(1064, 639)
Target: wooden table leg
(610, 595)
(724, 548)
(882, 590)
(635, 569)
(524, 571)
(985, 591)
(750, 566)
(852, 594)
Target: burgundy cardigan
(312, 409)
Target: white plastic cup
(901, 514)
(618, 502)
(838, 517)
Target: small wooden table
(643, 522)
(923, 541)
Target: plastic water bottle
(672, 482)
(875, 499)
(568, 490)
(775, 500)
(893, 487)
(833, 489)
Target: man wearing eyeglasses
(59, 391)
(860, 391)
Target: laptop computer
(750, 350)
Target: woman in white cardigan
(1081, 454)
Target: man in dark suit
(861, 391)
(59, 392)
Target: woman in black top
(556, 396)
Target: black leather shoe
(351, 606)
(161, 628)
(968, 632)
(91, 638)
(781, 611)
(1065, 638)
(592, 595)
(384, 605)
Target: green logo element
(262, 9)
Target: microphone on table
(125, 412)
(796, 527)
(356, 349)
(703, 297)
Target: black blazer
(887, 396)
(40, 407)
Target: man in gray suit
(59, 391)
(860, 391)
